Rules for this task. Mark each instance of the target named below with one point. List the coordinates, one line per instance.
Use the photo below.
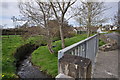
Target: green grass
(40, 57)
(48, 62)
(9, 46)
(36, 40)
(101, 43)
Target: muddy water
(25, 69)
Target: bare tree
(60, 9)
(39, 13)
(91, 14)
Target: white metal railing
(86, 48)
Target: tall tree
(39, 13)
(91, 14)
(60, 9)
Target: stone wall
(75, 66)
(110, 43)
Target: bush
(101, 43)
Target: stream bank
(24, 67)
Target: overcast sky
(9, 9)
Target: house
(100, 30)
(80, 30)
(93, 29)
(109, 27)
(113, 28)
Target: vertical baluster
(81, 50)
(84, 50)
(87, 53)
(72, 52)
(78, 51)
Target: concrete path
(106, 65)
(107, 62)
(113, 35)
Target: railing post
(97, 42)
(60, 55)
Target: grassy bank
(48, 62)
(40, 57)
(9, 46)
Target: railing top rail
(76, 44)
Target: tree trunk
(49, 40)
(88, 32)
(49, 45)
(62, 37)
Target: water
(27, 70)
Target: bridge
(76, 61)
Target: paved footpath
(106, 65)
(107, 62)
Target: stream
(25, 69)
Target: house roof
(80, 28)
(85, 28)
(93, 28)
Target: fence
(86, 48)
